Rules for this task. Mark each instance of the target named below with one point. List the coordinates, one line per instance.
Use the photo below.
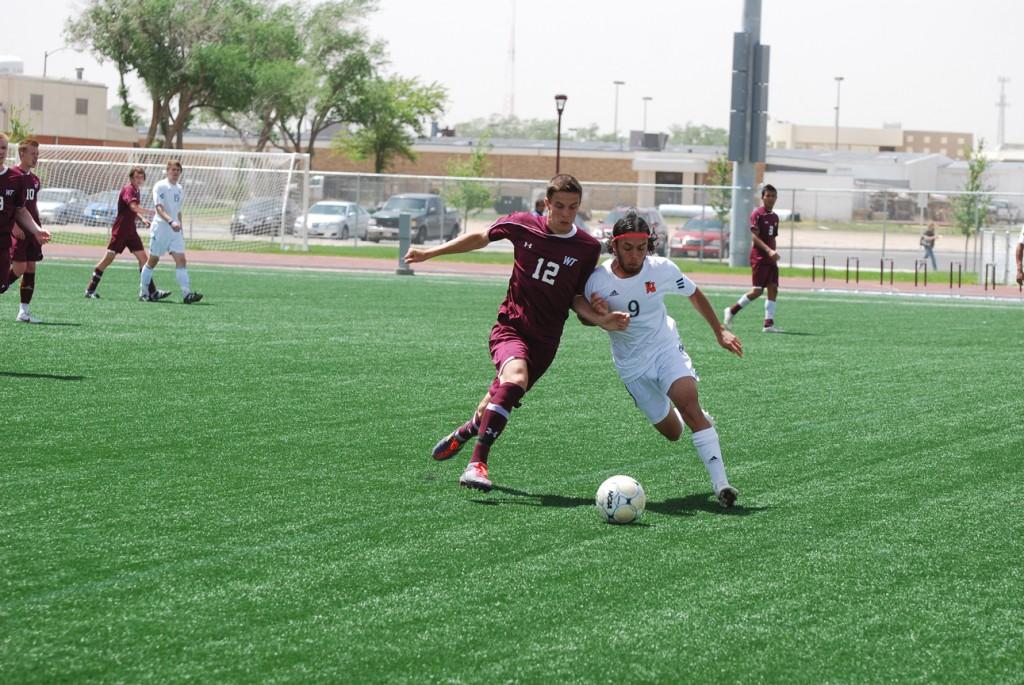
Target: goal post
(240, 201)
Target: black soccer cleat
(727, 496)
(448, 447)
(92, 294)
(192, 298)
(159, 295)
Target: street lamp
(560, 106)
(615, 125)
(839, 82)
(47, 53)
(647, 98)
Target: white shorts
(650, 389)
(164, 239)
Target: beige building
(61, 111)
(783, 135)
(787, 136)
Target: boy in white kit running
(166, 235)
(650, 360)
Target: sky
(926, 64)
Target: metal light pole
(647, 98)
(839, 82)
(47, 53)
(560, 106)
(615, 125)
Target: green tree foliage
(720, 174)
(191, 54)
(971, 209)
(19, 129)
(390, 113)
(497, 126)
(470, 196)
(340, 63)
(693, 134)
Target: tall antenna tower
(1002, 105)
(510, 68)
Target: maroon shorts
(5, 260)
(120, 241)
(765, 273)
(508, 343)
(26, 249)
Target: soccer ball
(620, 499)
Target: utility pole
(748, 124)
(1002, 105)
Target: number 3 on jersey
(549, 271)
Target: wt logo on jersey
(569, 261)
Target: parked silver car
(335, 219)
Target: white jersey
(1021, 239)
(171, 196)
(650, 328)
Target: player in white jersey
(648, 355)
(166, 236)
(1020, 258)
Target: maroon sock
(11, 278)
(735, 309)
(494, 418)
(95, 280)
(469, 429)
(769, 322)
(28, 286)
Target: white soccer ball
(620, 499)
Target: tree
(340, 61)
(971, 208)
(720, 174)
(498, 126)
(389, 113)
(20, 129)
(470, 196)
(702, 134)
(191, 54)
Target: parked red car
(700, 238)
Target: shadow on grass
(676, 506)
(47, 376)
(56, 323)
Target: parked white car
(336, 219)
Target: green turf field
(241, 491)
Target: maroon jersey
(124, 222)
(549, 271)
(11, 198)
(766, 224)
(30, 185)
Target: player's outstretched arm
(27, 224)
(595, 313)
(725, 337)
(467, 242)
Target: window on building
(81, 106)
(35, 102)
(960, 142)
(944, 141)
(927, 139)
(669, 196)
(910, 138)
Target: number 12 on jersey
(546, 273)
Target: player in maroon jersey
(764, 261)
(553, 260)
(125, 235)
(26, 250)
(13, 216)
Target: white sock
(743, 302)
(24, 309)
(145, 278)
(181, 275)
(769, 309)
(710, 452)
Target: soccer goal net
(233, 200)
